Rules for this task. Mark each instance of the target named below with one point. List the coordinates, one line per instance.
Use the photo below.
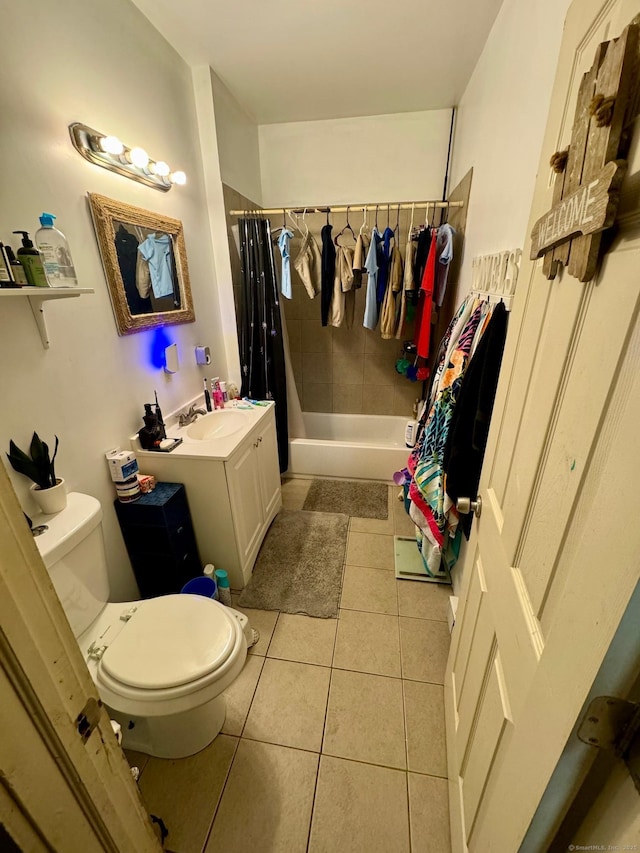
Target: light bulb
(111, 145)
(178, 178)
(139, 157)
(161, 168)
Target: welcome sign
(590, 171)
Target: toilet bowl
(160, 665)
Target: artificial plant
(37, 466)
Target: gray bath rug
(361, 500)
(299, 566)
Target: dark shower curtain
(260, 329)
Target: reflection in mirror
(145, 262)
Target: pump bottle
(58, 266)
(31, 261)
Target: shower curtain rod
(393, 205)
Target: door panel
(246, 500)
(553, 559)
(269, 469)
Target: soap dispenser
(58, 266)
(31, 260)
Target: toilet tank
(72, 549)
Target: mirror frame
(107, 211)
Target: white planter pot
(50, 500)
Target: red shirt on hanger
(423, 326)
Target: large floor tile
(429, 814)
(294, 492)
(238, 696)
(264, 621)
(424, 721)
(359, 809)
(402, 524)
(424, 646)
(304, 639)
(424, 600)
(369, 589)
(370, 549)
(289, 705)
(185, 792)
(365, 719)
(266, 805)
(368, 642)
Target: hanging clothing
(444, 248)
(425, 306)
(371, 306)
(469, 428)
(423, 245)
(127, 251)
(328, 272)
(384, 263)
(359, 259)
(260, 330)
(156, 250)
(425, 464)
(285, 277)
(308, 265)
(408, 286)
(390, 315)
(343, 301)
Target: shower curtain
(261, 342)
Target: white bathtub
(360, 447)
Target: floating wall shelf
(37, 297)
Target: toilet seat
(170, 641)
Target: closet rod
(393, 205)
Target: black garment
(127, 252)
(469, 428)
(422, 253)
(260, 327)
(328, 272)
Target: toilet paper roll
(117, 730)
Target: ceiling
(300, 60)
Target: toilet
(160, 664)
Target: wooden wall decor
(589, 173)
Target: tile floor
(334, 740)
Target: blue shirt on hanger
(283, 245)
(371, 265)
(156, 250)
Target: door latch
(466, 505)
(614, 724)
(88, 718)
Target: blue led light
(159, 342)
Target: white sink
(218, 424)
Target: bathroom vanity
(228, 463)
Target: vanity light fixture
(110, 153)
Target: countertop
(220, 448)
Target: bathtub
(359, 447)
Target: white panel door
(246, 500)
(269, 469)
(553, 560)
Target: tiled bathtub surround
(334, 738)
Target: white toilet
(160, 664)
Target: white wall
(104, 65)
(500, 124)
(238, 146)
(375, 158)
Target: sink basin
(217, 425)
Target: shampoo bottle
(58, 266)
(31, 261)
(17, 270)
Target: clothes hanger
(294, 222)
(413, 207)
(364, 220)
(396, 230)
(377, 218)
(347, 227)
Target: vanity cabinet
(232, 500)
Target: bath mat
(299, 566)
(361, 500)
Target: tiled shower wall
(350, 371)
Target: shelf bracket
(37, 307)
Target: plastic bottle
(18, 272)
(223, 388)
(31, 260)
(58, 265)
(224, 590)
(209, 571)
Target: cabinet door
(269, 469)
(246, 499)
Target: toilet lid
(169, 641)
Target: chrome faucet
(188, 417)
